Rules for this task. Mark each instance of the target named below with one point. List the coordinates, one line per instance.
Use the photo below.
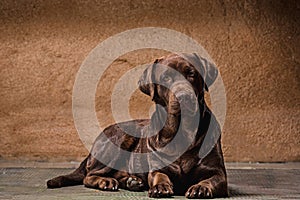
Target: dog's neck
(165, 126)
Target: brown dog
(171, 157)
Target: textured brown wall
(254, 43)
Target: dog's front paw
(161, 190)
(134, 183)
(199, 191)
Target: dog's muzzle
(185, 97)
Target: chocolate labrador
(176, 152)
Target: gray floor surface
(246, 181)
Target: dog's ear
(143, 83)
(210, 72)
(207, 70)
(146, 84)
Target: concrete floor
(20, 180)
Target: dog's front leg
(212, 177)
(213, 187)
(160, 185)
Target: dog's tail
(74, 178)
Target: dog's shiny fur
(189, 175)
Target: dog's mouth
(183, 103)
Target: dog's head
(175, 80)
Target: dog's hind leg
(129, 182)
(74, 178)
(102, 183)
(99, 176)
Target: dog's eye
(166, 78)
(191, 74)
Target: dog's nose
(185, 98)
(140, 83)
(188, 103)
